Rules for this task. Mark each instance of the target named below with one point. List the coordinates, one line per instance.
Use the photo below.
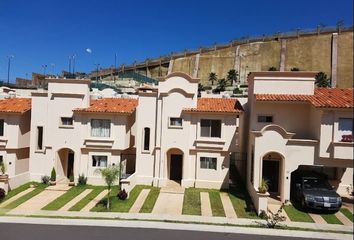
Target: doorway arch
(175, 164)
(65, 163)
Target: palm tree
(110, 175)
(213, 77)
(232, 76)
(322, 80)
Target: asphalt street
(17, 231)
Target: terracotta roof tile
(322, 98)
(217, 105)
(15, 105)
(111, 105)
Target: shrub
(45, 179)
(71, 178)
(243, 86)
(272, 69)
(122, 195)
(237, 91)
(2, 194)
(53, 175)
(273, 218)
(82, 180)
(2, 168)
(295, 69)
(263, 186)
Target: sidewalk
(177, 226)
(174, 218)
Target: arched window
(146, 138)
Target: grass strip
(118, 205)
(150, 200)
(191, 202)
(347, 213)
(38, 189)
(83, 202)
(331, 219)
(65, 198)
(16, 191)
(216, 204)
(297, 216)
(242, 203)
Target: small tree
(322, 80)
(221, 86)
(232, 76)
(110, 175)
(53, 175)
(273, 218)
(212, 78)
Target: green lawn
(83, 202)
(296, 215)
(65, 198)
(347, 213)
(242, 202)
(118, 205)
(150, 200)
(16, 191)
(39, 187)
(216, 204)
(191, 202)
(331, 219)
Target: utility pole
(8, 67)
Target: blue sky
(39, 32)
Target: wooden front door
(70, 169)
(176, 167)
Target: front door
(70, 164)
(176, 167)
(271, 174)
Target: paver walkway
(205, 204)
(227, 204)
(17, 196)
(169, 203)
(77, 199)
(274, 209)
(59, 187)
(317, 218)
(96, 200)
(38, 201)
(139, 202)
(341, 217)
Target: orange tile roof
(217, 105)
(111, 105)
(15, 105)
(322, 98)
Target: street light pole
(8, 67)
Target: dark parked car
(312, 190)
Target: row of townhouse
(169, 134)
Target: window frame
(98, 161)
(62, 125)
(146, 141)
(265, 116)
(2, 127)
(341, 132)
(42, 138)
(103, 120)
(175, 126)
(210, 135)
(209, 163)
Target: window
(345, 127)
(39, 138)
(208, 163)
(99, 161)
(2, 127)
(100, 128)
(210, 128)
(175, 122)
(265, 119)
(1, 160)
(146, 138)
(66, 121)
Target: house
(183, 138)
(294, 125)
(75, 134)
(15, 117)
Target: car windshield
(316, 183)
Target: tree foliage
(110, 175)
(322, 80)
(213, 77)
(232, 76)
(221, 86)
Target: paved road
(16, 231)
